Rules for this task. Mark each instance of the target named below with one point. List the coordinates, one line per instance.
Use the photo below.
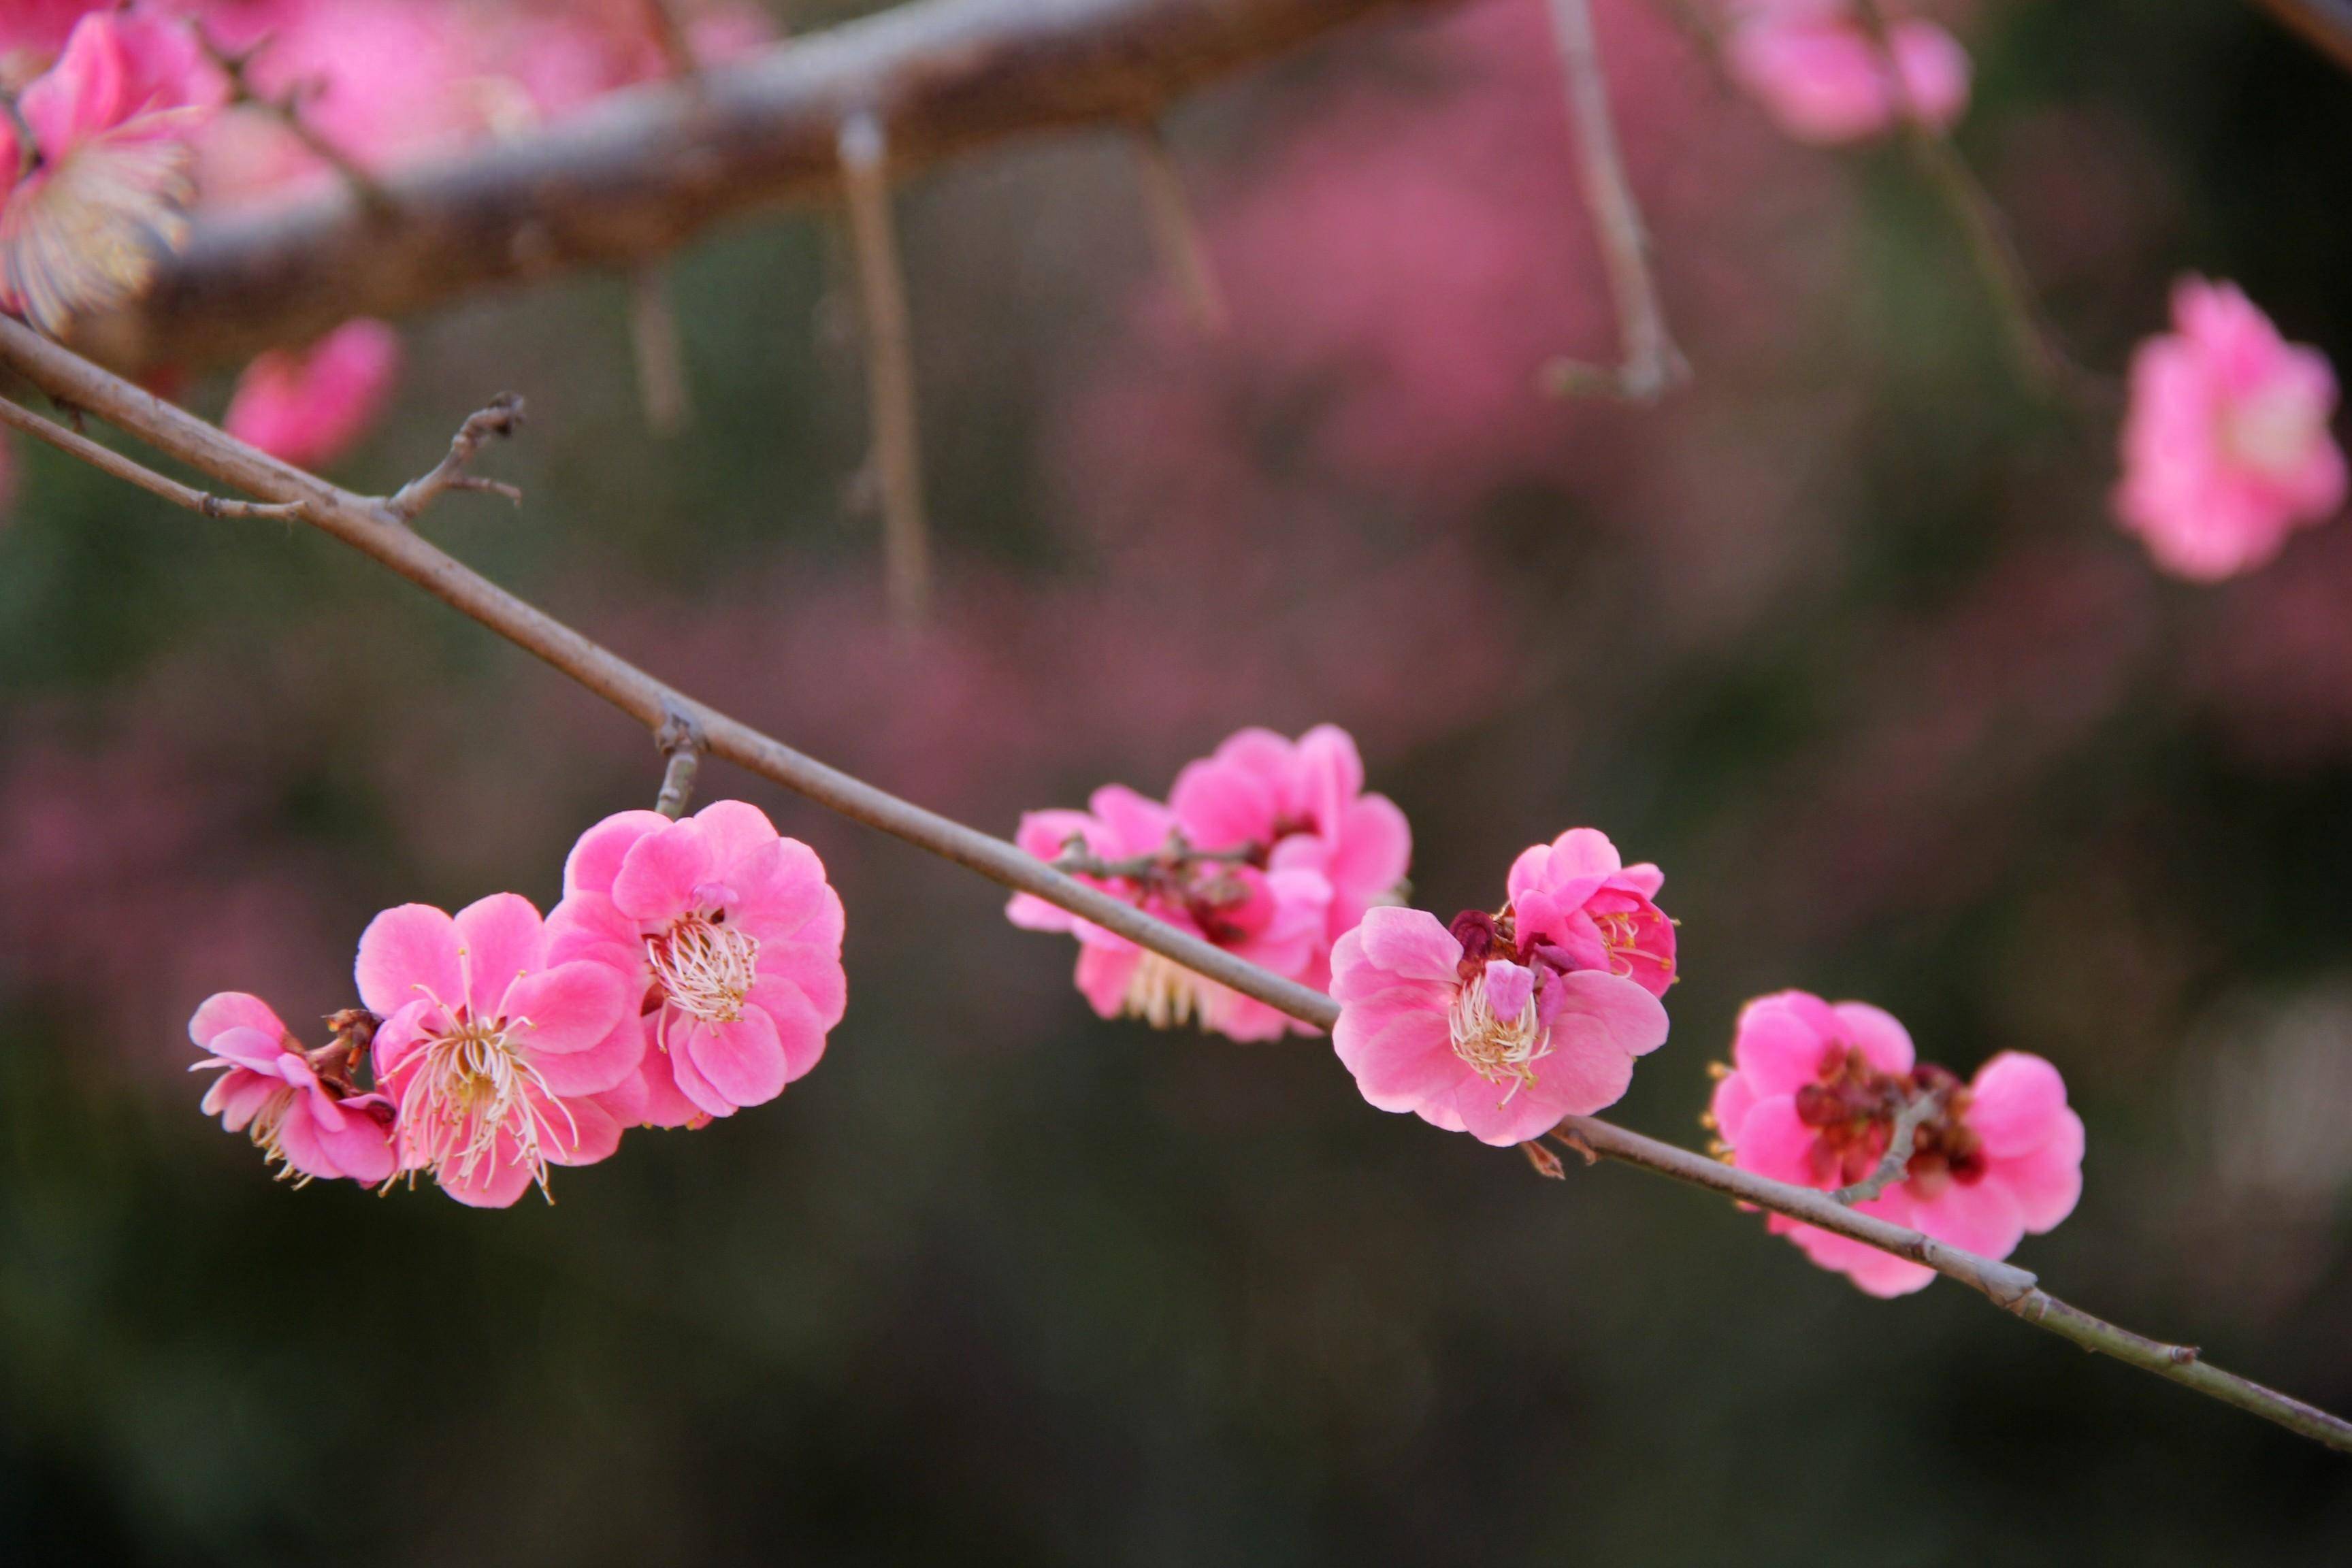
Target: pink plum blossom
(1275, 914)
(2226, 447)
(1822, 76)
(309, 1125)
(1811, 1097)
(108, 184)
(1300, 805)
(1576, 896)
(729, 937)
(491, 1049)
(307, 406)
(1475, 1033)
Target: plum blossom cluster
(1815, 1094)
(1269, 848)
(693, 968)
(1824, 76)
(123, 117)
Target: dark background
(1842, 637)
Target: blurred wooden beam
(648, 169)
(2324, 24)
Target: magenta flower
(1299, 805)
(2226, 447)
(309, 1125)
(1813, 1096)
(1576, 897)
(1821, 75)
(308, 406)
(1277, 915)
(1474, 1032)
(493, 1051)
(730, 935)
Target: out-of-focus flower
(1813, 1096)
(102, 189)
(307, 406)
(491, 1052)
(1577, 895)
(1477, 1033)
(730, 938)
(1272, 914)
(2226, 447)
(298, 1120)
(1300, 805)
(563, 54)
(1822, 75)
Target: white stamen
(706, 968)
(470, 1084)
(1501, 1050)
(1166, 995)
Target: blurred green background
(1841, 636)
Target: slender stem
(109, 461)
(680, 739)
(660, 353)
(897, 455)
(1652, 366)
(375, 202)
(502, 417)
(371, 526)
(1182, 252)
(1900, 1141)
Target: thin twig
(375, 201)
(660, 353)
(897, 456)
(1899, 1144)
(1652, 366)
(1077, 860)
(106, 461)
(680, 740)
(2324, 24)
(503, 416)
(359, 521)
(670, 32)
(1182, 252)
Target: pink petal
(2016, 1103)
(298, 1136)
(1734, 1097)
(781, 895)
(2047, 1182)
(740, 1064)
(1779, 1045)
(1328, 772)
(1103, 973)
(585, 1132)
(1608, 1007)
(499, 938)
(588, 925)
(1773, 1142)
(1982, 1216)
(236, 1096)
(1397, 1048)
(1885, 1043)
(1879, 1274)
(662, 873)
(571, 1006)
(595, 860)
(1137, 826)
(253, 1050)
(606, 1064)
(652, 1097)
(1490, 1117)
(1407, 943)
(232, 1010)
(734, 829)
(799, 1025)
(495, 1182)
(361, 1148)
(1221, 806)
(406, 953)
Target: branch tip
(502, 417)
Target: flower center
(1499, 1049)
(705, 967)
(471, 1085)
(1622, 933)
(2272, 431)
(1165, 994)
(1853, 1106)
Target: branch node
(1546, 1162)
(502, 417)
(897, 459)
(1900, 1142)
(1571, 1138)
(681, 740)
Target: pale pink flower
(1300, 805)
(1592, 910)
(106, 184)
(1811, 1098)
(492, 1051)
(298, 1120)
(2226, 447)
(1822, 76)
(307, 406)
(1276, 916)
(730, 938)
(568, 54)
(1474, 1034)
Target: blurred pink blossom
(296, 1119)
(729, 937)
(1472, 1039)
(1821, 74)
(1811, 1099)
(1577, 895)
(563, 54)
(307, 406)
(492, 1054)
(2226, 447)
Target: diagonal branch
(502, 417)
(643, 172)
(370, 528)
(2324, 24)
(109, 461)
(1900, 1141)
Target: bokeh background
(1841, 636)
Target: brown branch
(642, 173)
(371, 528)
(1652, 366)
(1900, 1141)
(896, 459)
(109, 461)
(2324, 24)
(660, 354)
(1174, 233)
(502, 417)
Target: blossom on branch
(1814, 1096)
(308, 406)
(2226, 447)
(1577, 898)
(313, 1124)
(1823, 75)
(730, 939)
